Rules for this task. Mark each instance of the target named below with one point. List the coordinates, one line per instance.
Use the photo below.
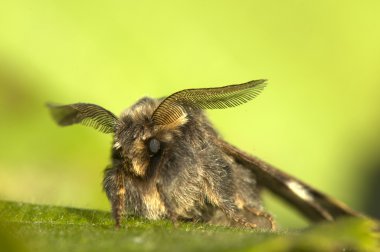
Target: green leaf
(28, 227)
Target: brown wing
(313, 204)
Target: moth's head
(141, 141)
(146, 130)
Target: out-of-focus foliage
(46, 228)
(318, 119)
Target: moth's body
(169, 162)
(191, 178)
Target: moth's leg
(232, 212)
(248, 198)
(221, 194)
(171, 213)
(114, 186)
(262, 214)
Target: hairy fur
(169, 162)
(191, 178)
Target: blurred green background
(318, 119)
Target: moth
(168, 162)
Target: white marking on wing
(300, 190)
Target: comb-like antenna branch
(172, 108)
(86, 114)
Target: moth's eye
(154, 145)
